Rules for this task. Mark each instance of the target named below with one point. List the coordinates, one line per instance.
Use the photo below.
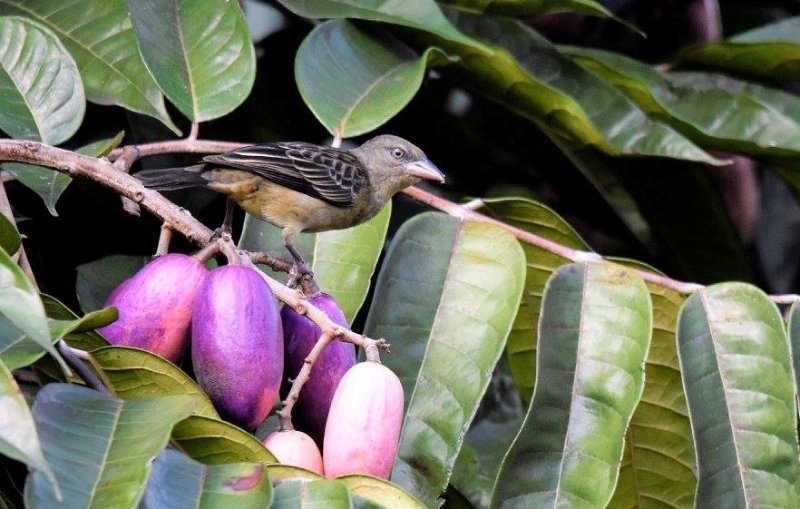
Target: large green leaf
(530, 7)
(540, 220)
(132, 373)
(594, 334)
(658, 466)
(771, 51)
(9, 236)
(325, 493)
(446, 296)
(694, 235)
(199, 52)
(42, 93)
(212, 441)
(794, 341)
(374, 77)
(736, 369)
(20, 304)
(380, 492)
(716, 117)
(343, 261)
(100, 37)
(18, 437)
(99, 447)
(179, 482)
(530, 76)
(50, 184)
(96, 280)
(17, 349)
(420, 14)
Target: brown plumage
(303, 187)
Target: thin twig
(164, 238)
(285, 413)
(330, 331)
(194, 131)
(74, 359)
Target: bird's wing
(330, 174)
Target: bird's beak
(425, 170)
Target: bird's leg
(300, 269)
(226, 222)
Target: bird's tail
(170, 179)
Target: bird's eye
(398, 153)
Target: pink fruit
(295, 448)
(155, 306)
(237, 344)
(363, 428)
(300, 334)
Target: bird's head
(394, 164)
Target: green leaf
(99, 447)
(794, 340)
(659, 462)
(280, 472)
(133, 374)
(42, 95)
(50, 184)
(449, 291)
(9, 236)
(47, 183)
(18, 437)
(343, 261)
(540, 220)
(422, 15)
(375, 77)
(20, 304)
(714, 116)
(100, 37)
(530, 7)
(594, 334)
(771, 51)
(103, 146)
(212, 441)
(96, 280)
(325, 493)
(736, 369)
(17, 349)
(694, 234)
(527, 74)
(380, 492)
(198, 51)
(180, 482)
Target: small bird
(299, 186)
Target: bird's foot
(300, 274)
(221, 231)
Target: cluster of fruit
(243, 349)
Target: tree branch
(85, 167)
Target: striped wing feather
(330, 174)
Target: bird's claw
(221, 231)
(300, 273)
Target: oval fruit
(237, 344)
(155, 306)
(300, 335)
(363, 428)
(295, 448)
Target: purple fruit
(300, 334)
(155, 306)
(237, 344)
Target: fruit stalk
(285, 413)
(298, 301)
